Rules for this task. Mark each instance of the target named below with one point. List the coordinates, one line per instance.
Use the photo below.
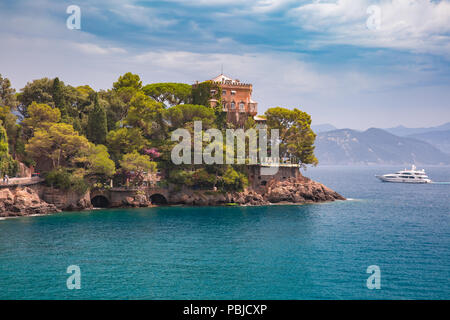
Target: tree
(39, 91)
(184, 115)
(60, 144)
(124, 140)
(116, 108)
(97, 161)
(128, 80)
(7, 164)
(295, 133)
(41, 116)
(137, 165)
(146, 114)
(97, 128)
(7, 94)
(59, 99)
(203, 92)
(169, 93)
(233, 180)
(9, 121)
(100, 162)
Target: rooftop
(229, 81)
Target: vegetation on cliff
(78, 137)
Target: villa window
(233, 92)
(233, 105)
(224, 92)
(241, 107)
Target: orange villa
(236, 100)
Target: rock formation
(299, 190)
(22, 202)
(293, 190)
(138, 200)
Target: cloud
(36, 43)
(142, 16)
(91, 48)
(418, 26)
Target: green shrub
(64, 180)
(233, 180)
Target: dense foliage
(77, 137)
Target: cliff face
(299, 190)
(65, 200)
(22, 202)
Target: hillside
(404, 131)
(439, 139)
(323, 127)
(375, 146)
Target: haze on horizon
(320, 56)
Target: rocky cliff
(299, 190)
(22, 202)
(65, 200)
(293, 190)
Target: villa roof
(221, 77)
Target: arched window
(241, 107)
(233, 105)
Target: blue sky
(319, 56)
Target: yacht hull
(400, 180)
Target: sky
(353, 64)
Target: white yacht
(406, 176)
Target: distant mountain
(439, 139)
(404, 131)
(323, 127)
(375, 146)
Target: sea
(314, 251)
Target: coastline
(26, 201)
(280, 204)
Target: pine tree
(7, 164)
(97, 124)
(58, 98)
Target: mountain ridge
(439, 139)
(403, 131)
(375, 146)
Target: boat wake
(353, 199)
(440, 182)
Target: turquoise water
(278, 252)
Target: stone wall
(65, 200)
(258, 180)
